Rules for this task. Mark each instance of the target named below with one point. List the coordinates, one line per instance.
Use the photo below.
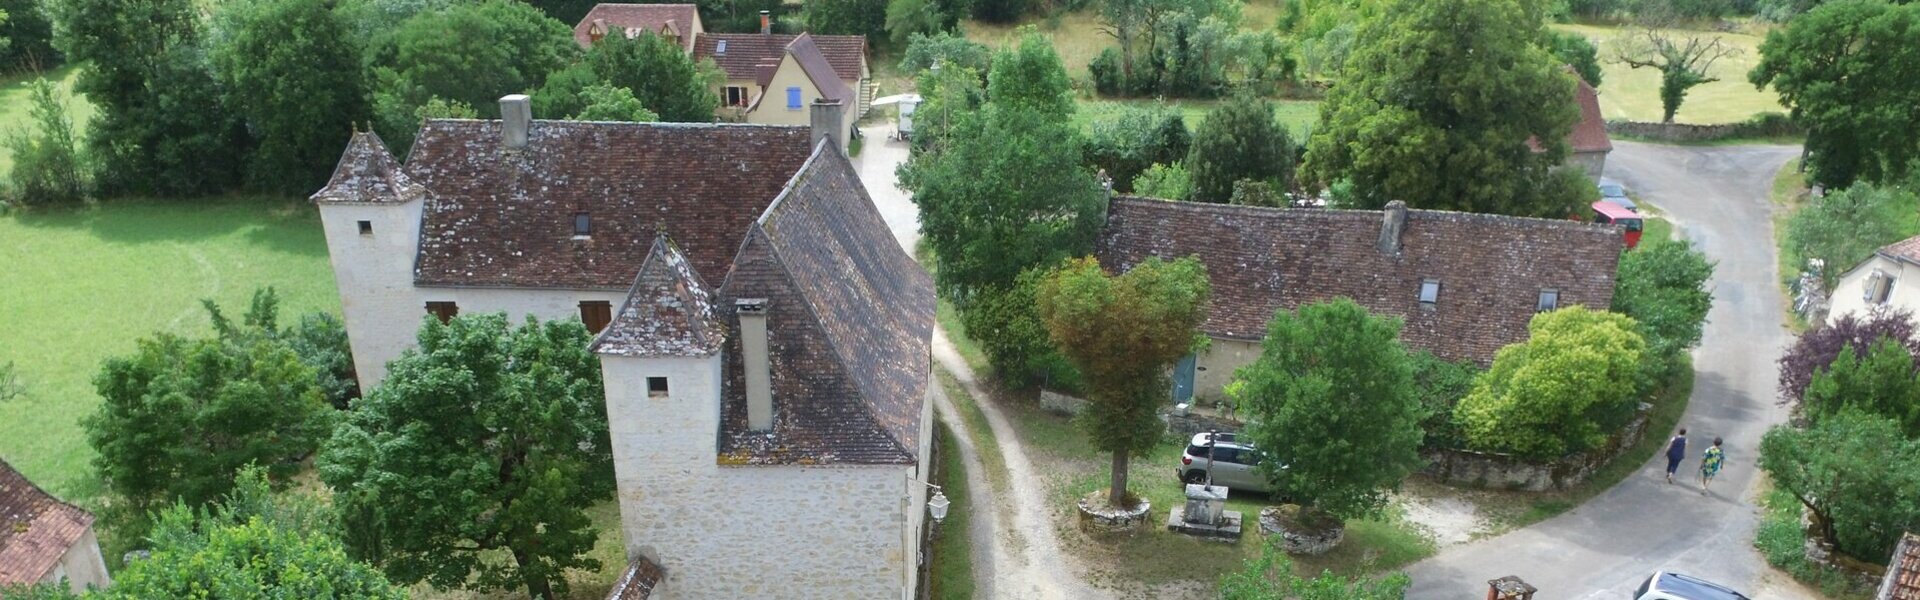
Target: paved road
(1603, 549)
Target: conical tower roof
(368, 174)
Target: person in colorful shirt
(1710, 464)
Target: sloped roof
(850, 319)
(677, 19)
(367, 173)
(669, 311)
(1907, 250)
(36, 529)
(807, 54)
(639, 581)
(1491, 268)
(845, 53)
(1902, 581)
(499, 217)
(1590, 132)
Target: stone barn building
(764, 341)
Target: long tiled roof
(1491, 268)
(36, 529)
(850, 319)
(499, 217)
(675, 19)
(640, 580)
(669, 311)
(1590, 132)
(745, 51)
(1907, 250)
(1902, 581)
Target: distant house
(678, 23)
(44, 540)
(1588, 142)
(1465, 285)
(1889, 278)
(764, 340)
(751, 60)
(1902, 581)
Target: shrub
(1170, 182)
(48, 167)
(1559, 392)
(1879, 381)
(1131, 138)
(947, 50)
(1239, 140)
(1856, 474)
(1662, 285)
(1816, 349)
(1006, 323)
(1439, 384)
(1845, 227)
(608, 103)
(1272, 576)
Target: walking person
(1710, 464)
(1676, 452)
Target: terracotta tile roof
(1491, 268)
(36, 529)
(669, 312)
(674, 19)
(807, 54)
(639, 581)
(845, 53)
(1590, 132)
(850, 320)
(1902, 581)
(498, 217)
(368, 173)
(1907, 250)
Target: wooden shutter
(596, 314)
(446, 311)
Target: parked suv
(1674, 586)
(1233, 463)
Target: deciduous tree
(609, 103)
(1331, 403)
(1123, 333)
(1844, 70)
(1239, 141)
(486, 439)
(472, 53)
(1662, 286)
(1437, 106)
(1576, 51)
(1855, 473)
(1879, 381)
(1030, 76)
(1131, 138)
(1843, 228)
(1816, 349)
(291, 69)
(1684, 61)
(654, 70)
(1561, 391)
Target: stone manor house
(764, 340)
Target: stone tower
(371, 213)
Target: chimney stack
(828, 124)
(753, 360)
(516, 115)
(1393, 222)
(766, 22)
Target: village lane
(1718, 198)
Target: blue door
(1183, 380)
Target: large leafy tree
(1857, 475)
(29, 36)
(1559, 392)
(1880, 381)
(472, 53)
(318, 338)
(1437, 107)
(1845, 227)
(1030, 76)
(847, 17)
(179, 416)
(290, 67)
(1816, 349)
(1849, 70)
(1662, 285)
(1240, 141)
(1332, 403)
(486, 439)
(1578, 52)
(1123, 333)
(654, 70)
(1133, 138)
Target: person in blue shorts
(1676, 452)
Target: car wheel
(1195, 477)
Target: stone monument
(1205, 515)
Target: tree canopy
(1132, 138)
(1436, 107)
(472, 53)
(1842, 228)
(1561, 391)
(1123, 333)
(1684, 61)
(1331, 402)
(291, 69)
(1880, 380)
(1816, 349)
(1030, 76)
(1662, 286)
(654, 70)
(487, 438)
(1856, 474)
(1845, 70)
(1239, 141)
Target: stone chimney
(828, 124)
(766, 22)
(516, 115)
(753, 359)
(1393, 222)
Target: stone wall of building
(1591, 163)
(374, 273)
(82, 566)
(1215, 368)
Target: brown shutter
(596, 314)
(446, 311)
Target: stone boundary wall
(1061, 404)
(1762, 125)
(1191, 423)
(1502, 471)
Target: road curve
(1717, 196)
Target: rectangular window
(720, 48)
(596, 314)
(793, 98)
(366, 228)
(1429, 292)
(1549, 300)
(446, 311)
(582, 225)
(656, 387)
(1879, 287)
(736, 96)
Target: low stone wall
(1061, 404)
(1762, 125)
(1095, 514)
(1502, 471)
(1194, 422)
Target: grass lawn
(951, 576)
(1789, 195)
(1628, 93)
(14, 102)
(78, 286)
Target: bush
(609, 103)
(1439, 384)
(1780, 539)
(1239, 140)
(1561, 391)
(1856, 473)
(1816, 349)
(1880, 381)
(48, 167)
(1272, 576)
(1006, 323)
(1170, 182)
(1662, 285)
(1845, 227)
(947, 50)
(1131, 138)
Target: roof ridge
(1351, 213)
(695, 297)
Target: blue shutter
(793, 98)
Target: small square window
(366, 227)
(656, 387)
(1549, 300)
(582, 225)
(1430, 291)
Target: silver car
(1235, 464)
(1674, 586)
(1612, 191)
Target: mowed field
(80, 285)
(1634, 94)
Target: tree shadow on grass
(271, 224)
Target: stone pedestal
(1297, 538)
(1205, 515)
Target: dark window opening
(656, 387)
(736, 96)
(446, 311)
(1549, 300)
(582, 225)
(366, 228)
(596, 314)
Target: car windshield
(1612, 191)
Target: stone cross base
(1228, 529)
